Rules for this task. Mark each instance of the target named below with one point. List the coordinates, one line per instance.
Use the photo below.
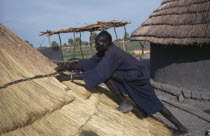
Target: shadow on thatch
(87, 133)
(112, 97)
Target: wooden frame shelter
(100, 26)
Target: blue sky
(27, 18)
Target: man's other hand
(60, 67)
(62, 78)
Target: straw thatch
(183, 22)
(44, 107)
(101, 25)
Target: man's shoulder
(115, 50)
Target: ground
(196, 125)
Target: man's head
(103, 41)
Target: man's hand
(63, 77)
(60, 67)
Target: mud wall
(52, 53)
(185, 67)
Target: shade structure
(101, 25)
(44, 106)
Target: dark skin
(102, 46)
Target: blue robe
(135, 76)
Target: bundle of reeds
(42, 106)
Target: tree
(29, 43)
(65, 44)
(54, 43)
(70, 41)
(94, 34)
(84, 43)
(93, 37)
(78, 41)
(127, 34)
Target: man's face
(100, 46)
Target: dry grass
(177, 22)
(43, 107)
(101, 25)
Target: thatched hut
(179, 33)
(52, 53)
(46, 107)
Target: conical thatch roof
(183, 22)
(44, 107)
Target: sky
(27, 18)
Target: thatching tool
(35, 77)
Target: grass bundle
(43, 107)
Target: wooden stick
(74, 43)
(142, 49)
(115, 33)
(93, 27)
(49, 40)
(81, 45)
(116, 36)
(91, 43)
(124, 39)
(60, 39)
(60, 46)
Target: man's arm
(71, 64)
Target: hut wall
(52, 53)
(182, 66)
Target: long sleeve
(105, 68)
(90, 63)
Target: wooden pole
(81, 45)
(91, 42)
(125, 38)
(74, 44)
(116, 36)
(71, 50)
(142, 49)
(40, 44)
(49, 40)
(60, 39)
(60, 46)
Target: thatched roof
(46, 107)
(101, 25)
(183, 22)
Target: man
(121, 72)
